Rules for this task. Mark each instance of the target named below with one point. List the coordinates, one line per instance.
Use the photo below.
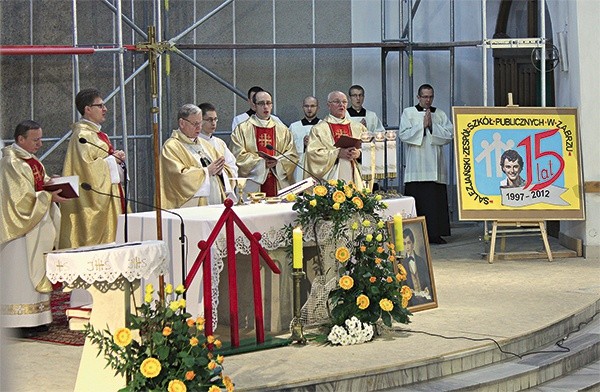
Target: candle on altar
(398, 232)
(297, 248)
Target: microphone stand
(83, 140)
(270, 147)
(182, 238)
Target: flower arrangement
(354, 332)
(368, 289)
(169, 351)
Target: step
(522, 374)
(585, 379)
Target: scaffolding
(159, 12)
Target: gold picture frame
(417, 263)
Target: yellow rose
(214, 388)
(377, 260)
(366, 223)
(392, 258)
(180, 289)
(218, 343)
(369, 237)
(355, 226)
(342, 254)
(194, 341)
(348, 191)
(190, 375)
(176, 386)
(378, 197)
(380, 249)
(182, 303)
(200, 323)
(320, 190)
(404, 302)
(391, 246)
(346, 282)
(313, 203)
(167, 331)
(389, 279)
(210, 339)
(379, 237)
(333, 182)
(380, 224)
(362, 301)
(401, 272)
(150, 368)
(190, 322)
(220, 359)
(338, 197)
(336, 206)
(148, 298)
(290, 197)
(384, 206)
(386, 305)
(366, 191)
(358, 202)
(169, 289)
(122, 337)
(363, 248)
(406, 292)
(228, 383)
(149, 288)
(211, 365)
(174, 305)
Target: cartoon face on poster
(518, 163)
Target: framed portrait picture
(416, 260)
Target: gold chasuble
(183, 175)
(90, 219)
(252, 136)
(30, 221)
(322, 156)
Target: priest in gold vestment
(323, 159)
(91, 219)
(193, 172)
(249, 143)
(30, 227)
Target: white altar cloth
(111, 273)
(108, 262)
(267, 219)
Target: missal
(267, 156)
(347, 142)
(69, 186)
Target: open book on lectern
(297, 187)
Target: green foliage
(165, 332)
(356, 220)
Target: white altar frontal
(267, 219)
(111, 273)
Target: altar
(267, 219)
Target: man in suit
(417, 272)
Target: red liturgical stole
(337, 130)
(38, 173)
(265, 136)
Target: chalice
(241, 183)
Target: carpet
(59, 331)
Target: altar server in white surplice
(301, 129)
(357, 112)
(193, 173)
(30, 227)
(323, 159)
(425, 130)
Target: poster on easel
(518, 163)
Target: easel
(519, 229)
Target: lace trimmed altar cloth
(108, 262)
(267, 219)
